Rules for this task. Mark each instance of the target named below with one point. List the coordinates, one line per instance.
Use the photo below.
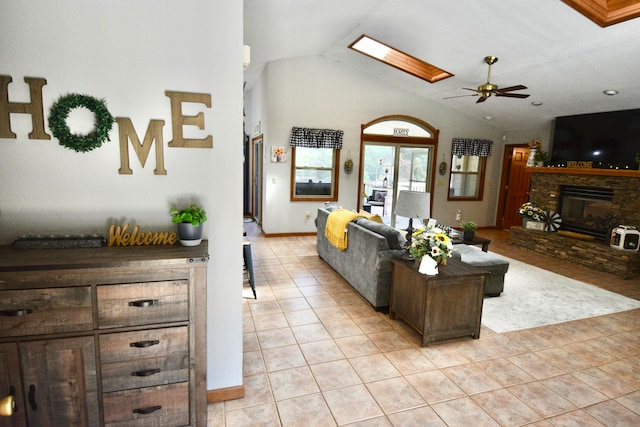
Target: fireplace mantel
(586, 171)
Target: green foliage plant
(469, 225)
(193, 214)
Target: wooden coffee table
(440, 307)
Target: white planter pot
(428, 266)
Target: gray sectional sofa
(366, 263)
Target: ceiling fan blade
(511, 88)
(468, 88)
(513, 95)
(459, 96)
(481, 99)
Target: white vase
(428, 266)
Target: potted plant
(348, 165)
(541, 158)
(189, 220)
(469, 230)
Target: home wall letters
(126, 130)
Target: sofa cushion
(395, 239)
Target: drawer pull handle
(143, 303)
(148, 410)
(143, 344)
(32, 397)
(17, 312)
(145, 372)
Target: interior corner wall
(316, 93)
(130, 53)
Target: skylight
(398, 59)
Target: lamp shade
(413, 204)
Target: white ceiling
(564, 59)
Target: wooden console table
(440, 307)
(104, 336)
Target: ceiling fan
(486, 90)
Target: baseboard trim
(222, 394)
(310, 233)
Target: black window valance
(316, 138)
(471, 147)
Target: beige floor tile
(503, 371)
(358, 345)
(423, 417)
(395, 394)
(409, 361)
(611, 413)
(265, 415)
(293, 382)
(252, 363)
(535, 365)
(257, 390)
(287, 293)
(301, 317)
(342, 328)
(542, 399)
(335, 374)
(294, 304)
(352, 404)
(604, 382)
(275, 338)
(310, 333)
(574, 390)
(463, 412)
(330, 313)
(307, 411)
(374, 323)
(505, 408)
(321, 351)
(577, 418)
(389, 341)
(434, 386)
(471, 379)
(270, 321)
(279, 358)
(374, 367)
(262, 308)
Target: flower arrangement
(433, 242)
(278, 151)
(532, 212)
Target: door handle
(8, 404)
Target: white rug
(536, 297)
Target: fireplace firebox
(586, 210)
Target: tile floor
(316, 354)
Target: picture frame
(278, 154)
(536, 225)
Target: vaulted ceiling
(564, 58)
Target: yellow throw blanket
(336, 228)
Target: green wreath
(59, 113)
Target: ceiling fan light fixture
(610, 92)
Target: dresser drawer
(144, 358)
(142, 303)
(45, 311)
(154, 406)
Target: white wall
(312, 92)
(129, 53)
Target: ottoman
(496, 265)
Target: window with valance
(315, 154)
(468, 164)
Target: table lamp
(413, 204)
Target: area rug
(536, 297)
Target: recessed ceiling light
(488, 117)
(610, 92)
(398, 59)
(536, 103)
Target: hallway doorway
(514, 185)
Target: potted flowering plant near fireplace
(530, 212)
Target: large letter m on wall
(127, 132)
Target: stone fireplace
(598, 200)
(587, 210)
